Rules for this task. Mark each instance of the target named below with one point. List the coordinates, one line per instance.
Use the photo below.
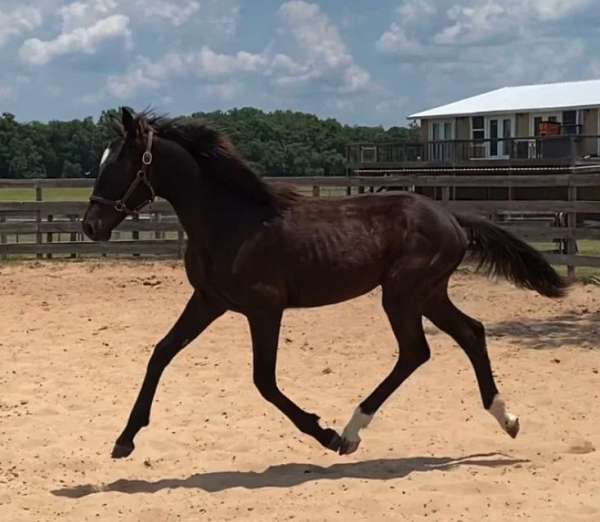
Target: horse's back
(334, 250)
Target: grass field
(49, 194)
(82, 194)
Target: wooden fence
(43, 228)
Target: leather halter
(142, 176)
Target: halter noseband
(120, 205)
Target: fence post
(571, 241)
(157, 233)
(49, 235)
(445, 193)
(73, 219)
(135, 235)
(3, 237)
(181, 240)
(38, 217)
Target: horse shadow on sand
(579, 329)
(290, 475)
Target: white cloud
(413, 10)
(474, 23)
(473, 72)
(87, 24)
(393, 104)
(205, 63)
(127, 85)
(422, 25)
(397, 39)
(225, 91)
(557, 9)
(224, 14)
(177, 12)
(317, 58)
(85, 14)
(211, 63)
(322, 57)
(283, 64)
(81, 39)
(455, 48)
(224, 18)
(318, 38)
(18, 21)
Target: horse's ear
(128, 121)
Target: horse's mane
(218, 158)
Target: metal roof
(566, 95)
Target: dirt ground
(76, 338)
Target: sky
(369, 62)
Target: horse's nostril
(88, 229)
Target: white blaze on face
(104, 156)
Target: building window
(507, 135)
(447, 130)
(478, 125)
(494, 137)
(569, 122)
(442, 130)
(368, 154)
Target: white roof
(567, 95)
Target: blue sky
(363, 62)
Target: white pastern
(508, 421)
(358, 421)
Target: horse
(260, 248)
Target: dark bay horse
(258, 248)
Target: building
(555, 124)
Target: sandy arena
(76, 338)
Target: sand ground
(76, 338)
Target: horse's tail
(501, 253)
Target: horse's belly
(318, 286)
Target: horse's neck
(207, 210)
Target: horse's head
(123, 185)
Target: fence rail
(566, 148)
(52, 228)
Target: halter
(120, 205)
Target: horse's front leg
(264, 329)
(196, 317)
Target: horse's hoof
(349, 446)
(334, 440)
(120, 451)
(512, 427)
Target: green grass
(82, 194)
(587, 247)
(49, 194)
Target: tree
(279, 143)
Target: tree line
(279, 143)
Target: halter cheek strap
(141, 178)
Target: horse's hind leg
(406, 321)
(197, 315)
(470, 335)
